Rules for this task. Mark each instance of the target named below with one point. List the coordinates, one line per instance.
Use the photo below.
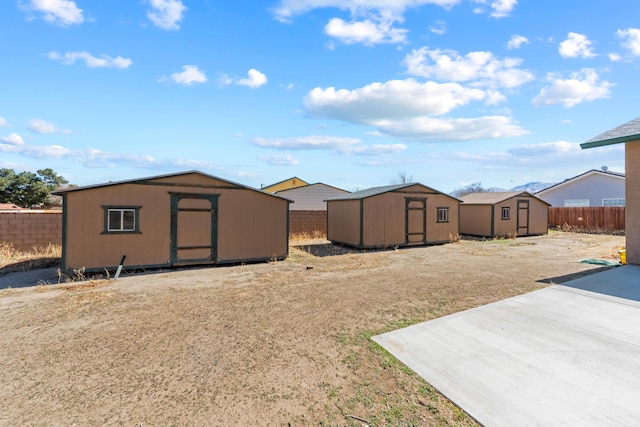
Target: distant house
(308, 212)
(171, 220)
(311, 197)
(9, 207)
(287, 184)
(503, 214)
(592, 188)
(395, 215)
(628, 134)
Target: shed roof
(151, 178)
(374, 191)
(579, 177)
(627, 132)
(493, 197)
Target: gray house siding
(311, 197)
(594, 187)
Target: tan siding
(475, 220)
(343, 221)
(632, 212)
(251, 225)
(384, 220)
(438, 232)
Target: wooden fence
(600, 219)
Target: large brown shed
(172, 220)
(503, 214)
(395, 215)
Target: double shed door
(194, 228)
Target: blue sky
(351, 93)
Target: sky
(350, 93)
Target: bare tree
(402, 178)
(475, 187)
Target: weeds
(12, 259)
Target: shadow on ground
(568, 277)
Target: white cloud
(546, 149)
(166, 14)
(480, 68)
(280, 160)
(614, 57)
(630, 40)
(189, 76)
(374, 150)
(457, 129)
(287, 9)
(58, 12)
(439, 27)
(576, 46)
(92, 157)
(91, 61)
(12, 139)
(367, 32)
(254, 80)
(41, 126)
(499, 8)
(581, 86)
(313, 142)
(402, 108)
(3, 122)
(392, 100)
(516, 41)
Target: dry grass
(12, 259)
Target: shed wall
(632, 212)
(343, 221)
(250, 225)
(475, 220)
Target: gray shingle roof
(627, 132)
(373, 191)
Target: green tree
(27, 189)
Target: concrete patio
(565, 355)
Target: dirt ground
(272, 344)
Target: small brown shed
(171, 220)
(394, 215)
(503, 214)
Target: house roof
(493, 197)
(150, 178)
(293, 178)
(579, 177)
(9, 206)
(627, 132)
(309, 187)
(374, 191)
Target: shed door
(194, 220)
(523, 218)
(416, 221)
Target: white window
(443, 214)
(576, 203)
(613, 202)
(121, 219)
(506, 213)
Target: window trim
(624, 202)
(577, 205)
(445, 210)
(136, 219)
(507, 210)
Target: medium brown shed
(171, 220)
(503, 214)
(395, 215)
